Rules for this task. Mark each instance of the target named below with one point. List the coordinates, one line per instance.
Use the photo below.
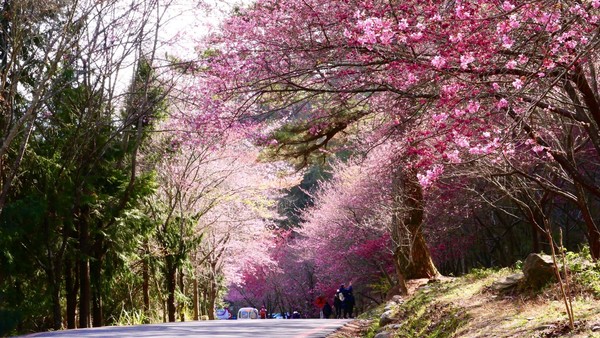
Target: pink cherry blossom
(517, 83)
(438, 62)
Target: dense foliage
(112, 210)
(476, 122)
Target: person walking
(263, 312)
(327, 310)
(348, 303)
(338, 301)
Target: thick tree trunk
(204, 301)
(181, 305)
(53, 274)
(84, 293)
(84, 274)
(418, 263)
(411, 254)
(212, 292)
(56, 308)
(210, 302)
(96, 282)
(71, 285)
(171, 279)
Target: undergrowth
(374, 312)
(132, 317)
(585, 273)
(423, 316)
(439, 309)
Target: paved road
(272, 328)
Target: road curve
(271, 328)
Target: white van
(247, 313)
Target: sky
(183, 23)
(186, 21)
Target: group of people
(263, 313)
(343, 302)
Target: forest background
(292, 147)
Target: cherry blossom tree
(290, 285)
(448, 82)
(214, 208)
(348, 229)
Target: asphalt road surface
(270, 328)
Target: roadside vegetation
(468, 306)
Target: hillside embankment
(481, 305)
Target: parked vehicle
(247, 313)
(223, 314)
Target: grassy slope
(467, 307)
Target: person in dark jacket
(327, 310)
(337, 302)
(348, 303)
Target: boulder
(386, 318)
(393, 303)
(389, 306)
(397, 299)
(384, 334)
(508, 283)
(538, 270)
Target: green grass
(373, 329)
(468, 307)
(133, 317)
(424, 316)
(584, 272)
(372, 313)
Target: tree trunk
(196, 310)
(171, 279)
(212, 292)
(411, 254)
(419, 263)
(71, 293)
(56, 308)
(593, 235)
(84, 274)
(204, 300)
(146, 281)
(84, 293)
(96, 283)
(53, 274)
(181, 305)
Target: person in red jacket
(263, 312)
